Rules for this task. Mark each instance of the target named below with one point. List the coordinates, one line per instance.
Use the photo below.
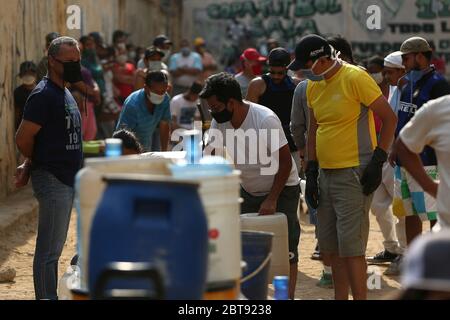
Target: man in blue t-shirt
(50, 138)
(425, 84)
(146, 109)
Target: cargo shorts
(343, 212)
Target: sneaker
(395, 267)
(316, 255)
(326, 281)
(382, 257)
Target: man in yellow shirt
(342, 142)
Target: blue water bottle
(113, 148)
(281, 287)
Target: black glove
(312, 184)
(372, 176)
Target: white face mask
(122, 58)
(28, 80)
(155, 98)
(326, 71)
(122, 46)
(155, 65)
(378, 77)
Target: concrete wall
(24, 24)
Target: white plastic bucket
(276, 224)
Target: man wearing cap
(424, 84)
(152, 62)
(163, 43)
(28, 76)
(185, 68)
(275, 91)
(251, 61)
(43, 64)
(394, 240)
(342, 141)
(208, 61)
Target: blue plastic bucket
(256, 252)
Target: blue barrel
(256, 252)
(149, 239)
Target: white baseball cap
(394, 60)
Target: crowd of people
(366, 137)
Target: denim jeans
(55, 205)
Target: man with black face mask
(50, 138)
(270, 181)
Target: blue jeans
(55, 205)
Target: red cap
(253, 55)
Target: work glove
(372, 176)
(312, 184)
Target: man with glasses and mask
(342, 142)
(424, 83)
(146, 109)
(50, 137)
(269, 177)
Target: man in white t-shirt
(254, 138)
(185, 68)
(430, 126)
(183, 108)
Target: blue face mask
(414, 75)
(311, 76)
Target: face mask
(155, 98)
(122, 46)
(378, 77)
(141, 56)
(155, 66)
(185, 51)
(414, 75)
(222, 116)
(122, 58)
(132, 55)
(72, 71)
(308, 74)
(326, 71)
(167, 53)
(28, 80)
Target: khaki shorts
(343, 213)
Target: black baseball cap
(279, 57)
(161, 40)
(150, 51)
(310, 48)
(27, 66)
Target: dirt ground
(17, 248)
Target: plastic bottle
(113, 148)
(281, 287)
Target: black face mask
(222, 116)
(72, 71)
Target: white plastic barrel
(276, 224)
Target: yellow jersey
(346, 134)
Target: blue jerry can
(149, 239)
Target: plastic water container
(113, 148)
(152, 223)
(281, 288)
(92, 186)
(276, 224)
(220, 194)
(256, 252)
